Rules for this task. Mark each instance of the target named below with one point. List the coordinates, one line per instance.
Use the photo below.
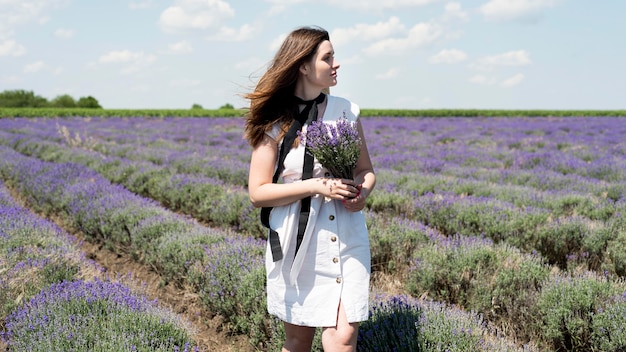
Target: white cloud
(123, 56)
(277, 42)
(34, 67)
(513, 81)
(195, 15)
(133, 61)
(511, 58)
(367, 32)
(483, 80)
(421, 34)
(492, 81)
(11, 79)
(14, 13)
(453, 12)
(244, 32)
(391, 73)
(510, 10)
(182, 47)
(18, 12)
(39, 66)
(64, 33)
(448, 56)
(11, 48)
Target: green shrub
(229, 282)
(179, 250)
(444, 328)
(455, 270)
(609, 326)
(148, 232)
(514, 294)
(394, 240)
(615, 255)
(562, 237)
(567, 305)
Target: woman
(319, 277)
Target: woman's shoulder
(340, 107)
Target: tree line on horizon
(20, 98)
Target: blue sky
(417, 54)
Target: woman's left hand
(357, 203)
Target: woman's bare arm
(264, 193)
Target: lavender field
(505, 234)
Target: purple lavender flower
(96, 315)
(336, 146)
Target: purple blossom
(336, 146)
(81, 315)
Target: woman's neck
(306, 93)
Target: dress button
(338, 280)
(335, 260)
(333, 238)
(331, 218)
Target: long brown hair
(272, 100)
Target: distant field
(57, 112)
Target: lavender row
(212, 148)
(45, 306)
(207, 199)
(95, 315)
(174, 245)
(403, 323)
(516, 293)
(33, 245)
(589, 147)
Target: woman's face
(321, 71)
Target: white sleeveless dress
(333, 261)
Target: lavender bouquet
(336, 146)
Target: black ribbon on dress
(305, 117)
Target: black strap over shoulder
(308, 115)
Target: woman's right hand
(336, 188)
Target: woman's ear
(304, 69)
